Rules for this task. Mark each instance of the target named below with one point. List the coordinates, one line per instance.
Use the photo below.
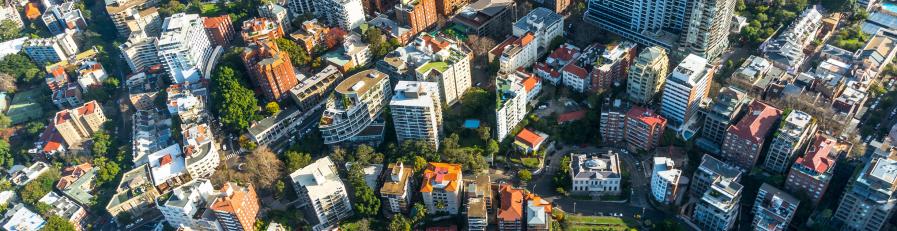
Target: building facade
(613, 121)
(184, 48)
(867, 204)
(647, 75)
(724, 110)
(396, 189)
(515, 52)
(322, 193)
(419, 15)
(355, 107)
(261, 29)
(271, 69)
(665, 180)
(545, 24)
(347, 14)
(718, 208)
(773, 209)
(442, 185)
(417, 112)
(745, 140)
(796, 129)
(511, 104)
(78, 124)
(220, 30)
(644, 129)
(711, 170)
(236, 207)
(612, 67)
(595, 174)
(812, 172)
(432, 58)
(140, 52)
(685, 88)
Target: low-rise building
(312, 90)
(18, 217)
(545, 24)
(200, 151)
(510, 211)
(481, 17)
(811, 173)
(261, 29)
(277, 127)
(65, 208)
(442, 185)
(644, 129)
(322, 194)
(168, 168)
(773, 209)
(538, 213)
(711, 170)
(77, 182)
(27, 174)
(530, 141)
(187, 206)
(595, 173)
(787, 50)
(311, 34)
(396, 189)
(515, 52)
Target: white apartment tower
(347, 14)
(188, 204)
(299, 8)
(433, 59)
(868, 203)
(184, 48)
(545, 24)
(793, 133)
(647, 74)
(707, 27)
(322, 193)
(685, 88)
(717, 209)
(511, 108)
(416, 112)
(355, 105)
(665, 180)
(140, 52)
(50, 50)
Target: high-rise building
(433, 59)
(707, 24)
(511, 107)
(510, 211)
(685, 88)
(60, 17)
(271, 69)
(261, 29)
(278, 14)
(546, 25)
(448, 7)
(515, 52)
(50, 50)
(200, 150)
(300, 8)
(811, 173)
(612, 67)
(868, 203)
(726, 109)
(133, 16)
(442, 185)
(78, 124)
(347, 14)
(711, 170)
(795, 131)
(184, 48)
(644, 129)
(236, 207)
(665, 179)
(773, 209)
(717, 209)
(140, 52)
(352, 112)
(219, 29)
(419, 15)
(613, 121)
(746, 139)
(417, 112)
(396, 189)
(187, 206)
(489, 18)
(322, 194)
(479, 202)
(647, 74)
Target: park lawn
(24, 106)
(597, 220)
(596, 228)
(530, 162)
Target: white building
(276, 127)
(545, 24)
(356, 106)
(358, 51)
(417, 112)
(396, 189)
(595, 174)
(19, 218)
(65, 208)
(167, 166)
(91, 73)
(575, 77)
(515, 52)
(184, 48)
(185, 105)
(665, 179)
(433, 59)
(188, 206)
(322, 193)
(50, 50)
(794, 132)
(277, 13)
(511, 107)
(140, 52)
(299, 8)
(787, 50)
(22, 175)
(685, 88)
(347, 14)
(442, 188)
(717, 209)
(200, 150)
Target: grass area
(583, 223)
(530, 162)
(25, 106)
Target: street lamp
(574, 207)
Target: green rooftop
(438, 66)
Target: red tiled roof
(214, 22)
(646, 116)
(31, 11)
(575, 70)
(440, 172)
(545, 68)
(165, 160)
(530, 82)
(500, 48)
(818, 156)
(571, 116)
(757, 122)
(529, 138)
(526, 39)
(511, 208)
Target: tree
(106, 169)
(40, 186)
(524, 175)
(334, 37)
(492, 148)
(399, 223)
(101, 143)
(34, 128)
(235, 104)
(172, 7)
(56, 223)
(296, 160)
(485, 132)
(366, 203)
(9, 30)
(419, 213)
(263, 168)
(7, 83)
(21, 67)
(272, 108)
(6, 159)
(279, 188)
(4, 121)
(297, 53)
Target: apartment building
(417, 112)
(575, 77)
(511, 105)
(312, 90)
(188, 206)
(510, 211)
(647, 74)
(811, 173)
(347, 14)
(483, 17)
(10, 12)
(868, 201)
(787, 50)
(140, 52)
(711, 170)
(479, 202)
(418, 15)
(746, 139)
(613, 121)
(277, 127)
(200, 150)
(78, 124)
(135, 16)
(396, 189)
(261, 30)
(77, 182)
(300, 7)
(65, 208)
(685, 88)
(21, 218)
(750, 76)
(60, 17)
(277, 13)
(538, 213)
(717, 209)
(448, 7)
(311, 34)
(50, 50)
(773, 209)
(271, 69)
(442, 184)
(545, 24)
(644, 129)
(515, 52)
(432, 58)
(724, 110)
(665, 178)
(612, 67)
(135, 194)
(67, 96)
(322, 194)
(352, 112)
(184, 48)
(595, 173)
(795, 130)
(220, 30)
(236, 207)
(707, 25)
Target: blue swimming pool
(889, 6)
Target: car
(479, 84)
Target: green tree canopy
(525, 175)
(56, 223)
(298, 54)
(399, 223)
(296, 160)
(9, 30)
(236, 105)
(106, 169)
(272, 108)
(40, 186)
(21, 67)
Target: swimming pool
(889, 6)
